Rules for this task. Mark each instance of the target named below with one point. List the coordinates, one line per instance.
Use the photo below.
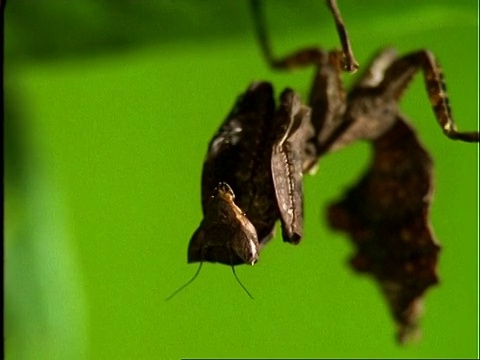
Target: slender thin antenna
(186, 284)
(238, 280)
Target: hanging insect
(386, 214)
(252, 175)
(261, 153)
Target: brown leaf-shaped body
(386, 215)
(258, 152)
(288, 158)
(240, 154)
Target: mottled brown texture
(257, 153)
(386, 216)
(262, 154)
(287, 161)
(239, 155)
(225, 233)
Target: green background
(109, 110)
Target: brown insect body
(230, 236)
(240, 155)
(262, 155)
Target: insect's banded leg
(399, 74)
(302, 58)
(350, 64)
(307, 56)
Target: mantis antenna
(186, 284)
(195, 276)
(238, 280)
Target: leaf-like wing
(288, 153)
(240, 154)
(386, 215)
